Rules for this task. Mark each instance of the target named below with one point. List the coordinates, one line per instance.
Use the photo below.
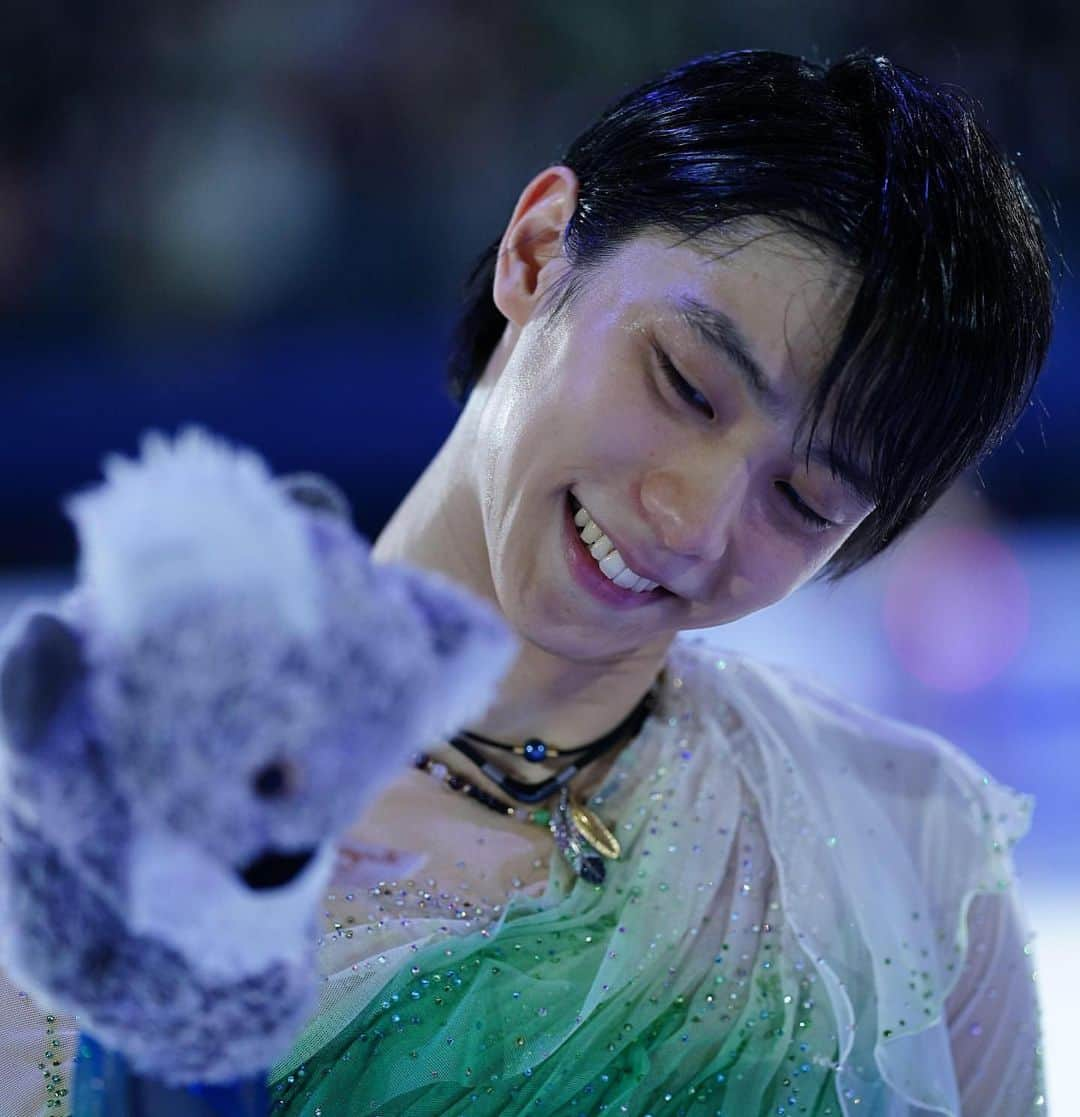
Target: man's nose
(692, 513)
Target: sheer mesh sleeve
(993, 1013)
(36, 1049)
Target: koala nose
(272, 869)
(273, 780)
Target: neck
(564, 700)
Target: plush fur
(184, 736)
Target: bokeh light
(956, 607)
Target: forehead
(787, 296)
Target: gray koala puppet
(184, 736)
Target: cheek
(510, 440)
(602, 428)
(770, 564)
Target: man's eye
(681, 386)
(817, 522)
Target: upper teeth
(608, 558)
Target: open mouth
(272, 869)
(587, 572)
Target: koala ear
(314, 491)
(41, 666)
(472, 642)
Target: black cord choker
(525, 792)
(580, 834)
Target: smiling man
(745, 333)
(653, 426)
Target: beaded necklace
(580, 834)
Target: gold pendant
(594, 831)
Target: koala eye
(273, 780)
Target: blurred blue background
(258, 215)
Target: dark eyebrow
(719, 332)
(849, 472)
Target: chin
(578, 641)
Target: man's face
(698, 485)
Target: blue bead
(592, 869)
(535, 749)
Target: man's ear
(530, 253)
(41, 667)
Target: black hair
(896, 176)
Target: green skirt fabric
(585, 1003)
(738, 960)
